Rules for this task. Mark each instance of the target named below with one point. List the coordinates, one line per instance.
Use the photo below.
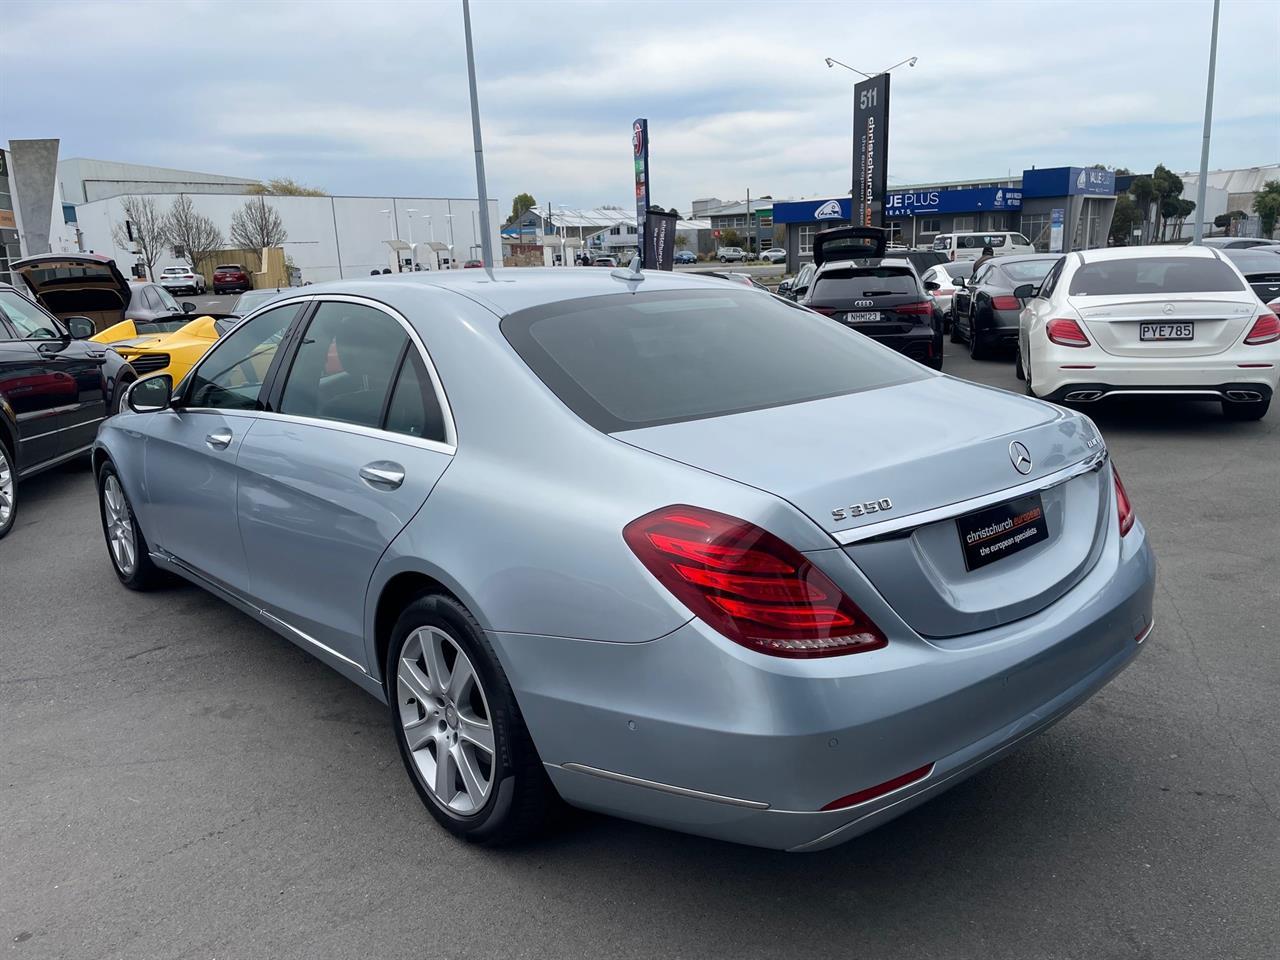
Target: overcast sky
(371, 97)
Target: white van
(968, 246)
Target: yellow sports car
(174, 352)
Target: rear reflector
(825, 311)
(1266, 329)
(1124, 509)
(1006, 303)
(862, 796)
(1066, 333)
(749, 585)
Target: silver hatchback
(662, 547)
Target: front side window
(166, 300)
(942, 243)
(627, 361)
(231, 375)
(344, 365)
(28, 320)
(1156, 276)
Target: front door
(328, 481)
(35, 390)
(191, 450)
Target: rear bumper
(1237, 392)
(694, 733)
(1092, 368)
(922, 343)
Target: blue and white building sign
(834, 210)
(972, 200)
(1069, 182)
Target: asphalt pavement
(181, 782)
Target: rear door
(849, 243)
(357, 438)
(37, 391)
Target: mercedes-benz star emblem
(1168, 308)
(1020, 457)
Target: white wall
(329, 237)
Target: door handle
(382, 474)
(219, 439)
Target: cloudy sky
(371, 97)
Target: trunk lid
(1114, 322)
(69, 285)
(893, 445)
(848, 243)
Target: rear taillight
(749, 585)
(1006, 303)
(1266, 329)
(825, 311)
(1124, 509)
(1066, 333)
(922, 309)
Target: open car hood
(67, 284)
(848, 243)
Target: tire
(724, 259)
(977, 349)
(8, 489)
(516, 800)
(132, 564)
(955, 329)
(1017, 365)
(1237, 411)
(117, 397)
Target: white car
(969, 246)
(1149, 320)
(732, 255)
(774, 255)
(183, 279)
(945, 276)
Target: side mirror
(81, 328)
(959, 283)
(784, 287)
(188, 306)
(931, 285)
(150, 394)
(1026, 291)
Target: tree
(1123, 220)
(1143, 191)
(1168, 187)
(285, 187)
(681, 241)
(730, 238)
(1267, 206)
(143, 228)
(257, 225)
(521, 203)
(197, 235)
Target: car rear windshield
(957, 268)
(1028, 271)
(175, 269)
(1156, 276)
(627, 361)
(864, 282)
(227, 266)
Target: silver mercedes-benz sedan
(661, 547)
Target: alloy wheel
(8, 484)
(447, 724)
(119, 524)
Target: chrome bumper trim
(662, 787)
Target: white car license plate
(861, 317)
(1167, 331)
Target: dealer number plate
(1000, 531)
(1167, 331)
(861, 317)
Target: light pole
(1198, 233)
(449, 217)
(833, 62)
(482, 193)
(410, 211)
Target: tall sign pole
(640, 151)
(482, 194)
(1198, 233)
(870, 149)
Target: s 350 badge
(862, 509)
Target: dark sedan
(55, 388)
(984, 311)
(1261, 268)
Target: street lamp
(410, 211)
(449, 217)
(833, 62)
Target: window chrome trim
(450, 444)
(903, 525)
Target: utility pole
(750, 222)
(486, 242)
(1198, 234)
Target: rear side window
(976, 241)
(864, 282)
(627, 361)
(1156, 276)
(414, 409)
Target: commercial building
(1065, 208)
(753, 227)
(73, 205)
(1228, 191)
(601, 231)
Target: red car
(472, 264)
(231, 278)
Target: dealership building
(1057, 208)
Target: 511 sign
(870, 149)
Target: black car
(55, 388)
(984, 311)
(880, 296)
(1261, 268)
(90, 285)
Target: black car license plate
(1000, 531)
(1167, 331)
(871, 317)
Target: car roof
(1137, 253)
(510, 289)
